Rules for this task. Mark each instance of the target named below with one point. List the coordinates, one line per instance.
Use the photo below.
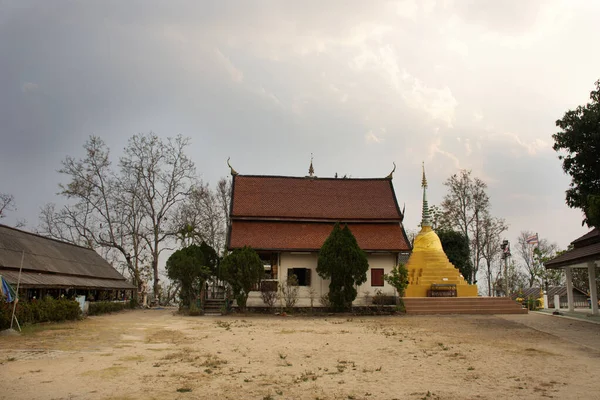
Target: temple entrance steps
(214, 306)
(462, 305)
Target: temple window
(302, 274)
(377, 277)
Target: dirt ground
(155, 354)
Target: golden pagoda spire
(428, 263)
(426, 218)
(311, 170)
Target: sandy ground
(155, 354)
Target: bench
(442, 290)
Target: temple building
(430, 273)
(287, 219)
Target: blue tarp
(7, 291)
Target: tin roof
(50, 262)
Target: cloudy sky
(458, 84)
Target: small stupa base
(423, 291)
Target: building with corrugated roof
(53, 267)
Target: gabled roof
(310, 236)
(280, 197)
(591, 237)
(585, 249)
(55, 260)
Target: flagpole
(17, 293)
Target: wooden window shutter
(377, 277)
(308, 276)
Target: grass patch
(166, 336)
(223, 324)
(48, 326)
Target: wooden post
(17, 292)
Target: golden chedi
(428, 264)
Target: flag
(532, 239)
(7, 291)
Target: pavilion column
(593, 288)
(569, 274)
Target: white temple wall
(308, 261)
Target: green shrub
(382, 299)
(47, 309)
(533, 303)
(103, 307)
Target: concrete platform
(462, 305)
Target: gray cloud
(460, 85)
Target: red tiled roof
(314, 198)
(312, 235)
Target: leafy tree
(342, 261)
(456, 247)
(188, 266)
(578, 144)
(211, 259)
(243, 270)
(398, 279)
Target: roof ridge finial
(233, 171)
(424, 180)
(391, 174)
(311, 170)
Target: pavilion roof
(585, 249)
(550, 292)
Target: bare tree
(205, 216)
(491, 230)
(533, 256)
(106, 213)
(166, 177)
(224, 192)
(7, 203)
(464, 207)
